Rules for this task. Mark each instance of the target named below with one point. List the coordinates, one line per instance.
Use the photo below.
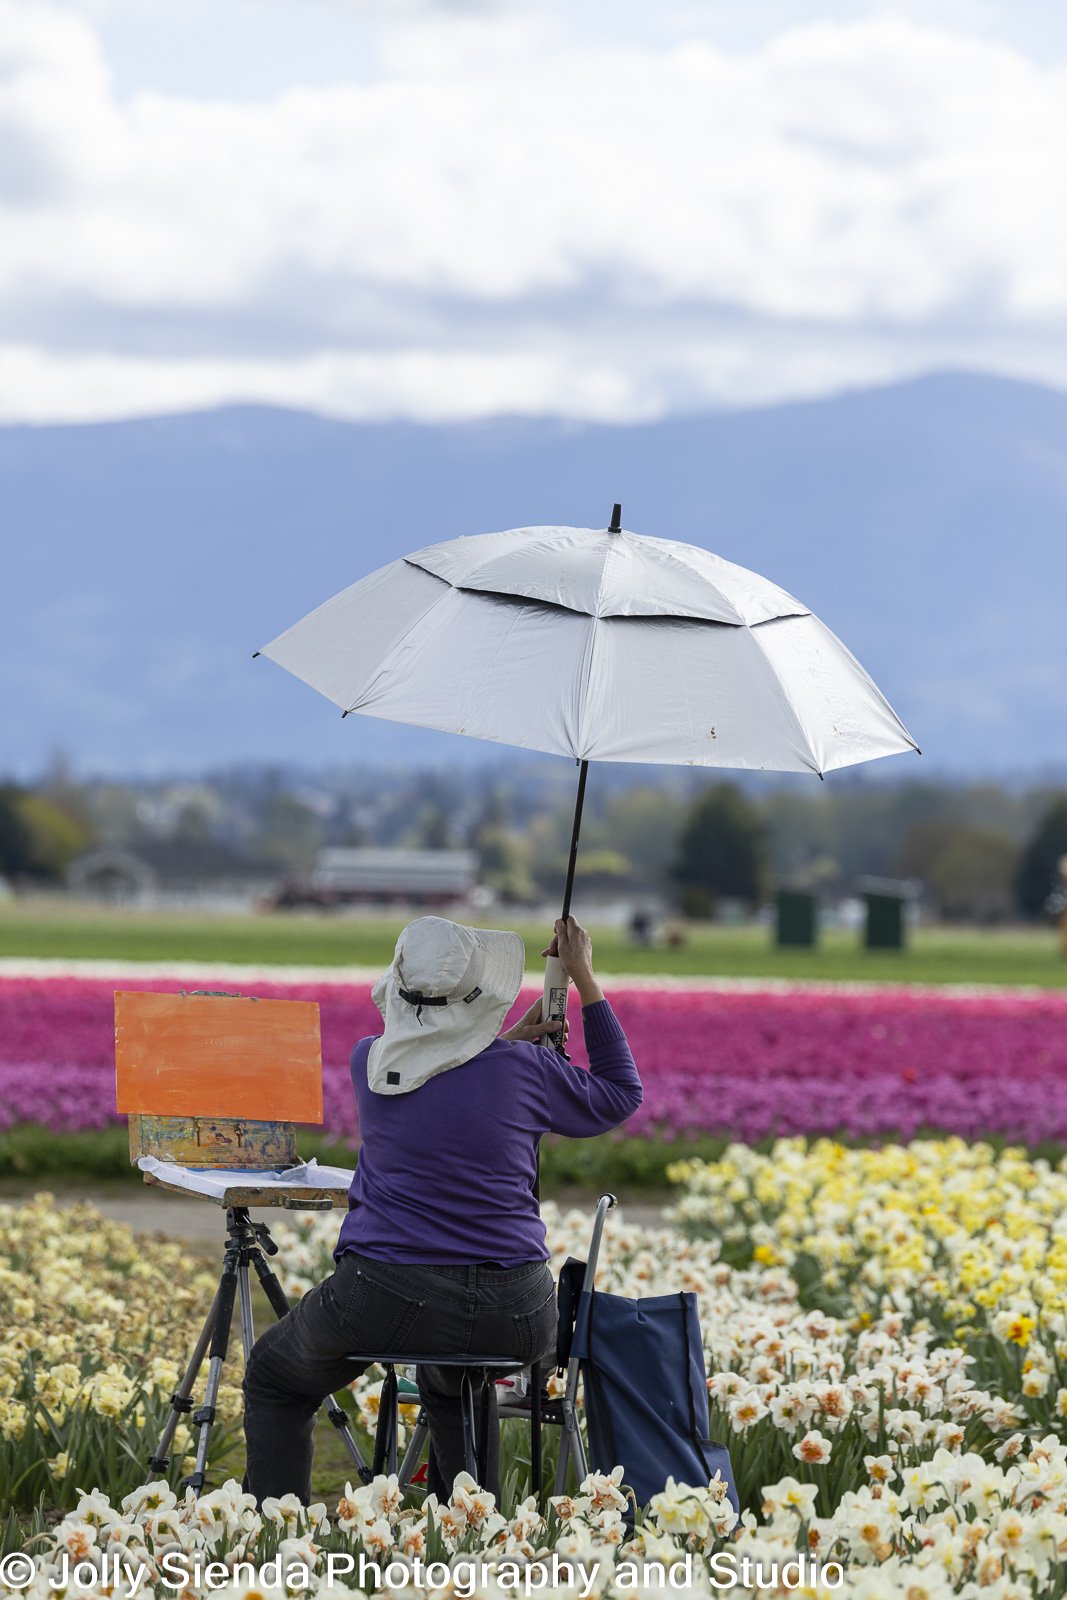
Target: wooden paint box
(224, 1142)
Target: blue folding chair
(646, 1397)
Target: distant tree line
(971, 871)
(982, 852)
(38, 838)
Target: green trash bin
(797, 923)
(885, 921)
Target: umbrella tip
(616, 519)
(255, 655)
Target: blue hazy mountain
(146, 560)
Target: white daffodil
(814, 1448)
(77, 1537)
(789, 1495)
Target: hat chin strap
(416, 998)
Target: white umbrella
(598, 644)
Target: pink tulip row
(744, 1063)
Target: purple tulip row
(747, 1064)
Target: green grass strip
(934, 955)
(31, 1152)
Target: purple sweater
(446, 1173)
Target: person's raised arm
(581, 1103)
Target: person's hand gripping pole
(531, 1029)
(554, 1003)
(568, 959)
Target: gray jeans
(381, 1308)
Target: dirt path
(201, 1223)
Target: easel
(186, 1065)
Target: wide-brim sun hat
(443, 1000)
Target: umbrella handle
(554, 1004)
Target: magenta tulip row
(747, 1064)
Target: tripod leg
(204, 1418)
(337, 1414)
(270, 1283)
(339, 1417)
(181, 1400)
(413, 1454)
(244, 1297)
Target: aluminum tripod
(248, 1243)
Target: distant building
(360, 876)
(170, 870)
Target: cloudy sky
(607, 209)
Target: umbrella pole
(583, 773)
(554, 1004)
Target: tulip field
(742, 1062)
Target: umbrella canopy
(602, 645)
(598, 644)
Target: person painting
(442, 1250)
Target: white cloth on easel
(215, 1181)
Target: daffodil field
(95, 1323)
(886, 1341)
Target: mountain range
(146, 560)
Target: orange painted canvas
(189, 1055)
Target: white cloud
(510, 218)
(423, 385)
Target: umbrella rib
(415, 622)
(802, 610)
(614, 543)
(738, 620)
(583, 693)
(786, 698)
